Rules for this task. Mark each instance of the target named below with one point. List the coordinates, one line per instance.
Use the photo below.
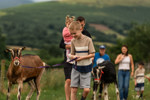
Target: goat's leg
(32, 85)
(20, 86)
(37, 84)
(100, 91)
(9, 88)
(95, 86)
(117, 91)
(105, 91)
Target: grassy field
(52, 88)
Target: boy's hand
(79, 58)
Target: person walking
(82, 48)
(68, 66)
(125, 62)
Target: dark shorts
(139, 87)
(67, 70)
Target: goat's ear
(23, 48)
(7, 50)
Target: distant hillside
(12, 3)
(41, 24)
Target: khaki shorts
(81, 80)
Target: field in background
(102, 3)
(52, 85)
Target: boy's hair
(75, 25)
(141, 63)
(80, 19)
(69, 19)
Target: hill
(12, 3)
(41, 24)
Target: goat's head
(15, 55)
(97, 73)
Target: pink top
(66, 35)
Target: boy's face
(140, 66)
(75, 33)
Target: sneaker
(137, 96)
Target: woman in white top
(125, 61)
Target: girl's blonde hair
(69, 19)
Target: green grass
(52, 88)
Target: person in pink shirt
(67, 66)
(66, 34)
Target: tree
(2, 46)
(138, 40)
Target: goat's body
(109, 76)
(19, 74)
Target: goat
(16, 74)
(104, 74)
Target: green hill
(41, 24)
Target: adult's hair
(126, 48)
(80, 19)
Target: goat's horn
(8, 50)
(101, 67)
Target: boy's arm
(135, 78)
(86, 57)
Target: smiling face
(124, 50)
(75, 29)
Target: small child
(66, 34)
(139, 80)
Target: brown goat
(17, 74)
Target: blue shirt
(99, 59)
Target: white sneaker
(137, 96)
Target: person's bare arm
(119, 58)
(86, 57)
(132, 65)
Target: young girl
(66, 34)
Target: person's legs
(67, 89)
(85, 93)
(74, 93)
(120, 84)
(67, 71)
(85, 80)
(75, 78)
(126, 84)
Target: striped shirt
(82, 47)
(139, 75)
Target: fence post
(2, 76)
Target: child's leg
(74, 93)
(85, 93)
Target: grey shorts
(81, 80)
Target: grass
(52, 88)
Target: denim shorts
(139, 87)
(78, 79)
